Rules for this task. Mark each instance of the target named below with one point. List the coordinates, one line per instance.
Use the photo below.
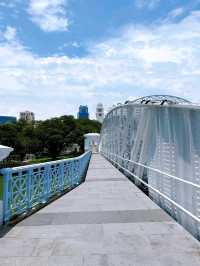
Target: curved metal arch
(153, 143)
(161, 99)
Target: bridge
(134, 203)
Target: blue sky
(58, 54)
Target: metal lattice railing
(158, 147)
(119, 162)
(28, 186)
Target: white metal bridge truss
(156, 141)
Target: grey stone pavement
(105, 221)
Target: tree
(8, 135)
(49, 137)
(55, 145)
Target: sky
(58, 54)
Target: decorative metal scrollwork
(28, 186)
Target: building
(83, 112)
(100, 112)
(7, 120)
(27, 116)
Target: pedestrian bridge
(104, 221)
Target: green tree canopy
(48, 137)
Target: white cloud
(140, 61)
(4, 4)
(49, 15)
(69, 44)
(8, 3)
(10, 34)
(150, 4)
(176, 12)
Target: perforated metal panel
(160, 145)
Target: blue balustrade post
(82, 161)
(72, 173)
(83, 165)
(47, 178)
(69, 170)
(77, 167)
(29, 188)
(22, 190)
(61, 178)
(7, 174)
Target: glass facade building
(83, 112)
(7, 120)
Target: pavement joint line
(107, 180)
(100, 224)
(97, 217)
(103, 168)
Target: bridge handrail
(28, 186)
(36, 165)
(158, 171)
(195, 218)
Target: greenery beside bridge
(46, 139)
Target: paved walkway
(105, 221)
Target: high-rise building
(7, 120)
(27, 116)
(100, 112)
(83, 112)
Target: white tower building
(100, 112)
(27, 116)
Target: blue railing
(28, 186)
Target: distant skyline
(58, 54)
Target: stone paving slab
(107, 221)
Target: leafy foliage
(48, 137)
